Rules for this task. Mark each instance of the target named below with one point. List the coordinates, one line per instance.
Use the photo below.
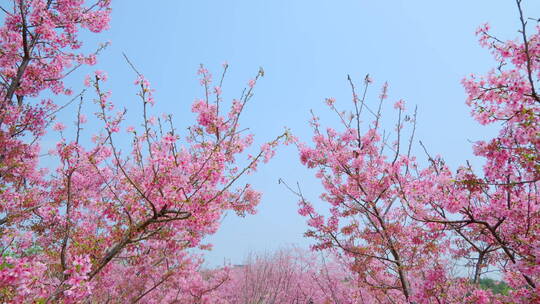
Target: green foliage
(497, 287)
(5, 265)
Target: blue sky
(306, 47)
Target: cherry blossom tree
(429, 235)
(290, 276)
(108, 225)
(494, 213)
(362, 174)
(118, 221)
(39, 43)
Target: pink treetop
(131, 214)
(363, 175)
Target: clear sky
(423, 48)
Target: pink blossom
(399, 105)
(101, 75)
(87, 81)
(59, 126)
(330, 101)
(251, 83)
